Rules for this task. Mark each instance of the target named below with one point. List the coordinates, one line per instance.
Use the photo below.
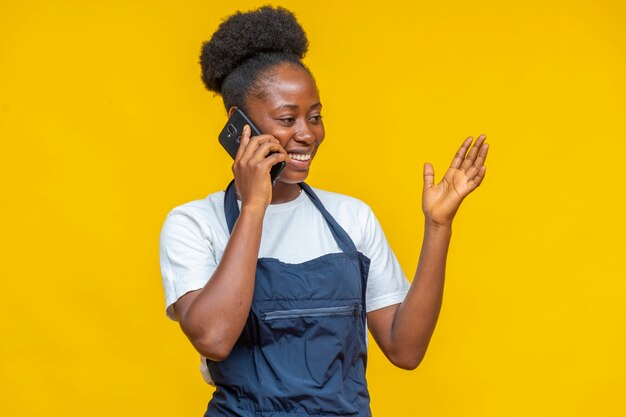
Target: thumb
(429, 176)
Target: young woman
(276, 286)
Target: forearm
(415, 319)
(214, 320)
(404, 330)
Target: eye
(287, 121)
(316, 118)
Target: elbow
(408, 361)
(212, 346)
(211, 350)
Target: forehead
(290, 84)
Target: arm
(213, 317)
(403, 331)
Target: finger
(281, 149)
(460, 154)
(264, 138)
(472, 154)
(429, 175)
(478, 162)
(243, 143)
(272, 160)
(254, 143)
(264, 149)
(478, 178)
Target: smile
(300, 157)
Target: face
(290, 110)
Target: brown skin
(213, 317)
(291, 114)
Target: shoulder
(336, 202)
(200, 207)
(351, 213)
(204, 215)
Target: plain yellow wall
(105, 127)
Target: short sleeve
(186, 257)
(386, 283)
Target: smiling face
(289, 109)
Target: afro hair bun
(243, 35)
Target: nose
(304, 134)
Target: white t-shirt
(194, 235)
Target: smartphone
(230, 137)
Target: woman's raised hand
(252, 168)
(440, 202)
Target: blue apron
(302, 351)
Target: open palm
(440, 202)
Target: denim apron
(302, 351)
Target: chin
(293, 177)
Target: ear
(231, 110)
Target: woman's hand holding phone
(252, 168)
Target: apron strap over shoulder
(231, 209)
(343, 239)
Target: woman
(274, 286)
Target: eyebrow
(294, 106)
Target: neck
(283, 192)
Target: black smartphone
(230, 137)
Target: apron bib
(302, 352)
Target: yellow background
(105, 127)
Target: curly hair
(238, 59)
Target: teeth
(299, 157)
